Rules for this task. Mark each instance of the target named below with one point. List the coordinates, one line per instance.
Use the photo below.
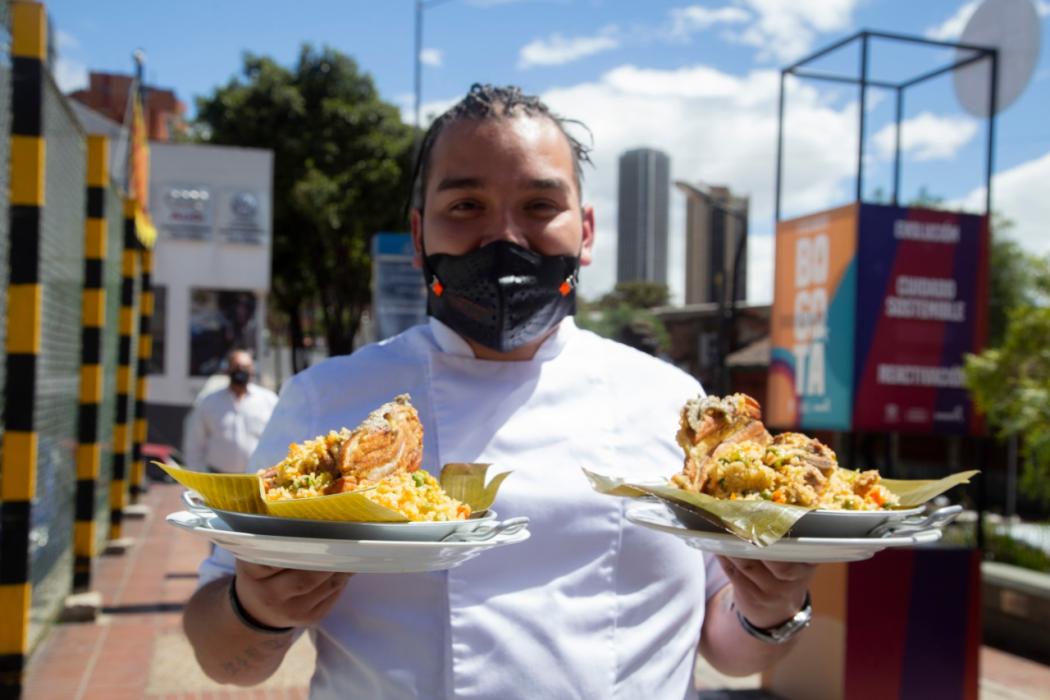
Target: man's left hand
(767, 593)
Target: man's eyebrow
(459, 183)
(548, 183)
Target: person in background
(223, 428)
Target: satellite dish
(1012, 27)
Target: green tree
(625, 315)
(1011, 385)
(342, 166)
(640, 295)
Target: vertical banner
(399, 296)
(922, 304)
(811, 368)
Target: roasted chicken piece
(388, 441)
(706, 423)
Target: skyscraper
(645, 183)
(715, 224)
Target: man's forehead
(533, 140)
(517, 129)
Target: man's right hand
(287, 597)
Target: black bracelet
(246, 619)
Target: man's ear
(587, 244)
(416, 219)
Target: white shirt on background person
(591, 606)
(223, 431)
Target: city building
(644, 191)
(715, 228)
(107, 94)
(211, 206)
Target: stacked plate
(322, 545)
(820, 536)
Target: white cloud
(66, 41)
(1020, 194)
(718, 128)
(927, 136)
(428, 111)
(952, 28)
(431, 57)
(786, 29)
(556, 49)
(695, 18)
(70, 74)
(1043, 8)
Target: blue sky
(697, 80)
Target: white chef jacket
(223, 431)
(591, 606)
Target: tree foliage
(625, 315)
(342, 165)
(1011, 385)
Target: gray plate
(330, 529)
(816, 523)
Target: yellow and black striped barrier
(20, 441)
(138, 474)
(89, 452)
(118, 487)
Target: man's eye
(464, 206)
(543, 206)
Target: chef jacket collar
(450, 342)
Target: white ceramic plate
(358, 556)
(813, 550)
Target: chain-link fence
(58, 370)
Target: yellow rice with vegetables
(380, 460)
(780, 473)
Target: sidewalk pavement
(137, 650)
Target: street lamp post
(417, 63)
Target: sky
(698, 80)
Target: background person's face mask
(501, 295)
(240, 377)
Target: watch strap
(782, 632)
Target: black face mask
(501, 295)
(240, 377)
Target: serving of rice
(380, 460)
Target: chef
(591, 606)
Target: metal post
(416, 61)
(897, 149)
(1011, 476)
(993, 96)
(863, 109)
(780, 152)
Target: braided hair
(484, 102)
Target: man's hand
(767, 593)
(287, 597)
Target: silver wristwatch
(783, 632)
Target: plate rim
(208, 530)
(884, 542)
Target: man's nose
(507, 226)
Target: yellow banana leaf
(234, 492)
(915, 492)
(242, 493)
(466, 483)
(761, 522)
